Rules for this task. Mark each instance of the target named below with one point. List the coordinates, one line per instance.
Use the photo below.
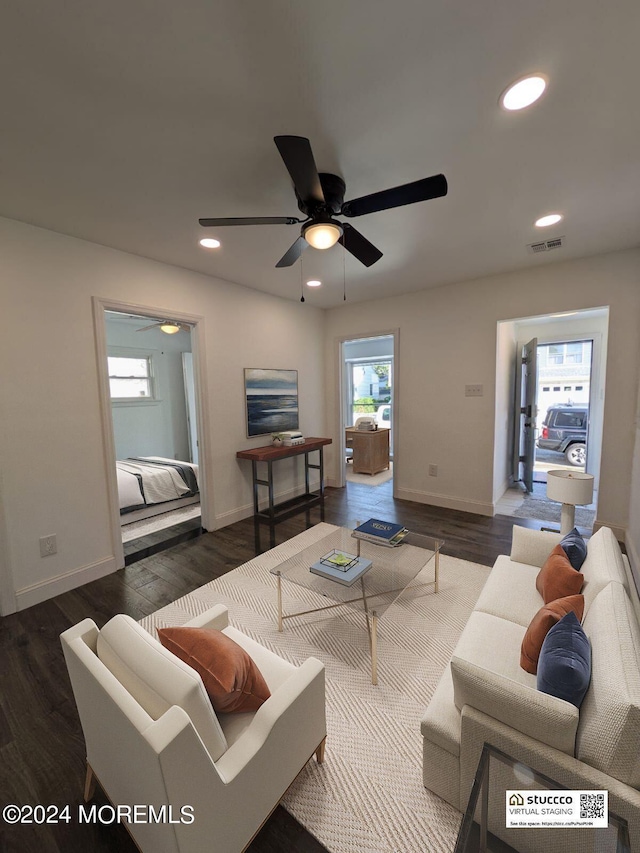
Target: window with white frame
(130, 377)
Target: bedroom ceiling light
(313, 282)
(322, 235)
(209, 243)
(551, 219)
(170, 328)
(523, 92)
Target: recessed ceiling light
(209, 243)
(314, 283)
(551, 219)
(523, 92)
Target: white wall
(158, 427)
(52, 458)
(448, 340)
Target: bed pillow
(541, 624)
(575, 548)
(557, 578)
(564, 666)
(230, 677)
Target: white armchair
(153, 739)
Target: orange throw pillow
(557, 578)
(542, 623)
(231, 678)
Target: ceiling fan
(169, 327)
(321, 197)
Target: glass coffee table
(391, 572)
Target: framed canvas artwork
(272, 400)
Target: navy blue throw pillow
(575, 548)
(564, 665)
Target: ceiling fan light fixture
(322, 235)
(523, 92)
(170, 328)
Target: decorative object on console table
(386, 533)
(571, 489)
(370, 449)
(271, 399)
(275, 513)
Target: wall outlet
(473, 390)
(48, 545)
(433, 470)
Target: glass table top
(392, 569)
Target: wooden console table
(279, 512)
(370, 449)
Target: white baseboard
(477, 507)
(38, 592)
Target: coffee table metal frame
(369, 590)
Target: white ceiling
(123, 122)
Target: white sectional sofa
(485, 696)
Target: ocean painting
(272, 400)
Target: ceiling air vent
(545, 245)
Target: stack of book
(381, 532)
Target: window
(556, 387)
(545, 388)
(567, 387)
(574, 353)
(579, 387)
(130, 378)
(570, 419)
(556, 355)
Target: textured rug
(368, 796)
(544, 510)
(137, 529)
(370, 479)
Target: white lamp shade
(569, 487)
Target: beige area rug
(137, 529)
(369, 479)
(368, 796)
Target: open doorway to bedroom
(153, 414)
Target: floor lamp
(571, 489)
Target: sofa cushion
(604, 564)
(543, 717)
(557, 578)
(231, 678)
(532, 546)
(575, 548)
(564, 666)
(510, 592)
(548, 616)
(157, 679)
(609, 731)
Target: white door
(525, 413)
(190, 400)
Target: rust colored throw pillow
(542, 623)
(230, 677)
(557, 578)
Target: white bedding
(129, 493)
(159, 484)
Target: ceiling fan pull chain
(301, 281)
(344, 276)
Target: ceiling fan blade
(152, 326)
(298, 158)
(250, 220)
(423, 190)
(293, 253)
(359, 246)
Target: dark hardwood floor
(42, 758)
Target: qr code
(592, 806)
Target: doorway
(564, 409)
(368, 405)
(149, 379)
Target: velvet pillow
(575, 548)
(230, 677)
(557, 578)
(541, 624)
(564, 667)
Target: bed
(149, 485)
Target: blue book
(347, 578)
(380, 532)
